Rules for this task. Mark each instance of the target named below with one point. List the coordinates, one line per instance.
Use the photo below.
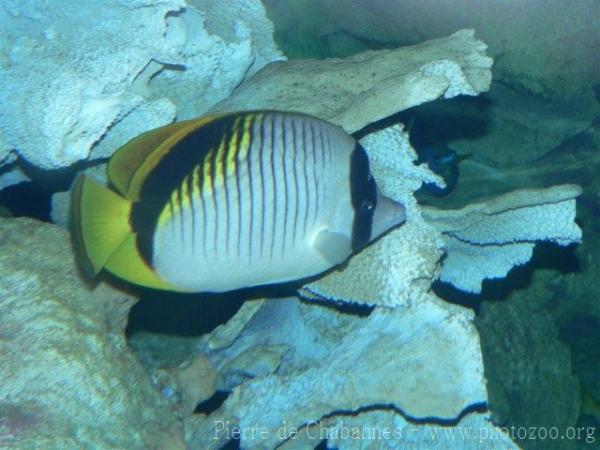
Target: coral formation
(362, 89)
(485, 240)
(545, 55)
(223, 43)
(153, 54)
(92, 87)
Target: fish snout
(388, 214)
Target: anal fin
(127, 263)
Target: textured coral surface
(68, 378)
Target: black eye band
(363, 192)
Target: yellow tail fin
(100, 222)
(103, 235)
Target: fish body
(230, 201)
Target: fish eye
(366, 206)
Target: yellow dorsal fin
(131, 163)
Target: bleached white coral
(82, 80)
(369, 86)
(393, 162)
(70, 72)
(485, 240)
(223, 44)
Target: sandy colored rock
(528, 366)
(392, 357)
(68, 377)
(356, 91)
(190, 383)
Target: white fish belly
(196, 273)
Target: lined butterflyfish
(228, 201)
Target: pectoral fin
(332, 246)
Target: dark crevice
(430, 420)
(33, 198)
(178, 314)
(212, 404)
(546, 255)
(343, 307)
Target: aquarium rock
(356, 91)
(68, 377)
(485, 240)
(223, 44)
(188, 384)
(531, 379)
(72, 91)
(388, 429)
(389, 360)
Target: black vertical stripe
(236, 159)
(299, 147)
(296, 148)
(252, 118)
(225, 153)
(203, 204)
(286, 188)
(305, 177)
(190, 189)
(171, 209)
(363, 191)
(316, 153)
(275, 120)
(329, 149)
(212, 161)
(181, 224)
(327, 162)
(261, 151)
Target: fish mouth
(388, 214)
